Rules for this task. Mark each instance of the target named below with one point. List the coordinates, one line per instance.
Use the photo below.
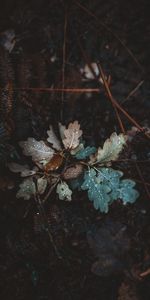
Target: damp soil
(44, 46)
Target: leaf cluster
(67, 164)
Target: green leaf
(104, 185)
(111, 178)
(127, 192)
(78, 148)
(86, 152)
(123, 189)
(97, 192)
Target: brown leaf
(55, 162)
(73, 172)
(72, 135)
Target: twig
(133, 91)
(50, 191)
(110, 97)
(115, 109)
(67, 90)
(145, 273)
(114, 101)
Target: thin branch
(145, 273)
(107, 89)
(133, 91)
(114, 101)
(66, 90)
(50, 191)
(115, 109)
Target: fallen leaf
(110, 151)
(55, 162)
(27, 189)
(72, 135)
(39, 151)
(73, 172)
(64, 191)
(23, 169)
(52, 139)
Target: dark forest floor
(46, 45)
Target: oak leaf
(110, 151)
(52, 139)
(72, 135)
(39, 151)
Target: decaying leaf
(72, 135)
(41, 185)
(23, 169)
(110, 151)
(27, 189)
(39, 151)
(64, 191)
(52, 139)
(55, 162)
(73, 172)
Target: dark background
(116, 34)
